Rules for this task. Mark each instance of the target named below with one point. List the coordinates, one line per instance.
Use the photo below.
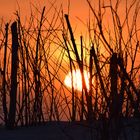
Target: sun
(77, 79)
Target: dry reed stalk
(37, 114)
(4, 100)
(71, 70)
(99, 75)
(89, 103)
(114, 112)
(14, 68)
(82, 96)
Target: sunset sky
(7, 7)
(53, 48)
(78, 8)
(79, 11)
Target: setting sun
(77, 79)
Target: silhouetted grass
(32, 89)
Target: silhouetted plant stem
(99, 74)
(89, 103)
(24, 105)
(71, 70)
(114, 97)
(90, 75)
(37, 115)
(131, 84)
(82, 96)
(14, 67)
(99, 22)
(114, 80)
(4, 76)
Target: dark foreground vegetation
(69, 131)
(35, 57)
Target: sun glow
(77, 79)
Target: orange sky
(78, 8)
(8, 7)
